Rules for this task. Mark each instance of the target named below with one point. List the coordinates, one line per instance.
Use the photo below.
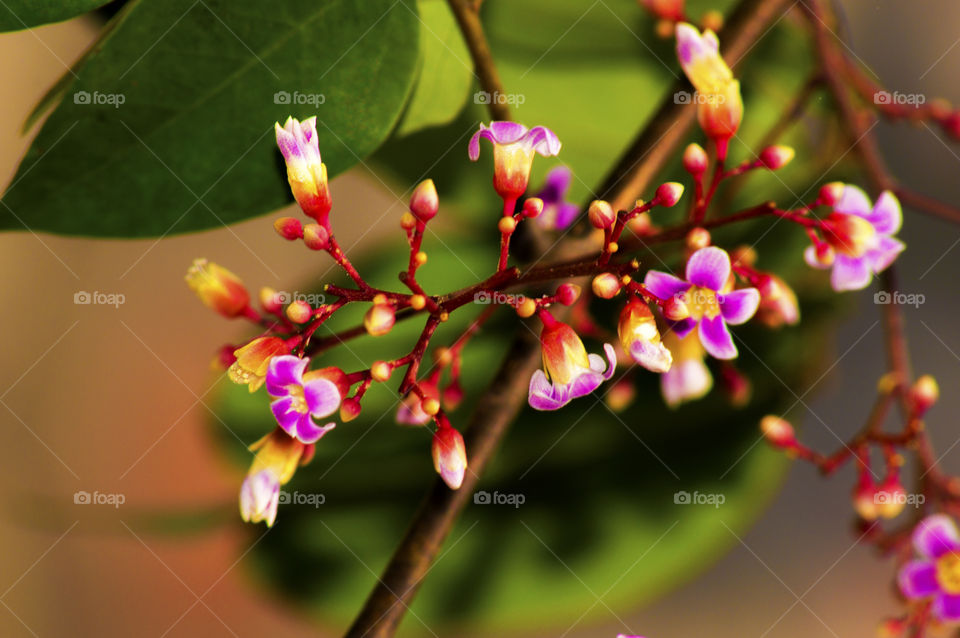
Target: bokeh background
(116, 400)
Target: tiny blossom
(570, 371)
(640, 337)
(277, 457)
(557, 212)
(936, 574)
(301, 396)
(688, 378)
(514, 146)
(218, 288)
(862, 238)
(306, 173)
(449, 456)
(253, 360)
(711, 304)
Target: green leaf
(447, 70)
(22, 14)
(169, 127)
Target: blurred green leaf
(22, 14)
(447, 71)
(168, 128)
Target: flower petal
(946, 607)
(285, 415)
(810, 256)
(918, 579)
(683, 327)
(542, 140)
(936, 535)
(555, 185)
(309, 432)
(283, 371)
(709, 267)
(543, 395)
(853, 201)
(655, 357)
(585, 382)
(322, 396)
(886, 216)
(850, 273)
(685, 381)
(596, 363)
(716, 338)
(885, 253)
(663, 285)
(738, 306)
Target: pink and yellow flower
(640, 337)
(513, 149)
(688, 378)
(719, 105)
(300, 396)
(570, 371)
(936, 574)
(276, 460)
(306, 173)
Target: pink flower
(513, 149)
(300, 397)
(936, 574)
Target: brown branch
(656, 143)
(467, 13)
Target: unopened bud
(408, 221)
(698, 238)
(777, 430)
(620, 395)
(299, 311)
(507, 225)
(744, 255)
(527, 307)
(449, 456)
(417, 302)
(776, 157)
(675, 309)
(924, 393)
(315, 237)
(890, 498)
(532, 207)
(381, 371)
(695, 159)
(865, 500)
(831, 193)
(424, 202)
(349, 410)
(270, 301)
(712, 20)
(420, 258)
(430, 406)
(218, 288)
(606, 285)
(288, 228)
(567, 294)
(669, 194)
(379, 319)
(601, 214)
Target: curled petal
(850, 273)
(497, 133)
(283, 371)
(716, 338)
(664, 285)
(886, 216)
(655, 357)
(885, 253)
(738, 306)
(309, 432)
(709, 267)
(585, 383)
(854, 201)
(810, 256)
(285, 414)
(322, 397)
(542, 140)
(596, 363)
(918, 579)
(936, 535)
(543, 395)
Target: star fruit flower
(936, 574)
(300, 396)
(514, 146)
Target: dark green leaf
(21, 14)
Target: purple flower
(708, 272)
(573, 373)
(861, 237)
(513, 149)
(557, 212)
(937, 573)
(300, 398)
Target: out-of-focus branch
(467, 13)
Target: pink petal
(738, 306)
(810, 256)
(322, 396)
(885, 253)
(918, 579)
(850, 273)
(886, 216)
(936, 535)
(716, 338)
(542, 395)
(655, 357)
(853, 201)
(946, 607)
(709, 267)
(663, 285)
(684, 381)
(283, 371)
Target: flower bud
(449, 456)
(865, 499)
(430, 406)
(381, 371)
(669, 194)
(712, 20)
(777, 431)
(507, 225)
(299, 311)
(418, 302)
(695, 160)
(349, 410)
(744, 256)
(736, 385)
(316, 237)
(675, 309)
(379, 319)
(288, 228)
(567, 294)
(778, 303)
(270, 301)
(924, 394)
(831, 193)
(824, 254)
(698, 238)
(890, 497)
(776, 157)
(527, 307)
(601, 214)
(408, 221)
(606, 285)
(668, 10)
(218, 288)
(532, 207)
(424, 202)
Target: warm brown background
(97, 398)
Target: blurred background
(118, 400)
